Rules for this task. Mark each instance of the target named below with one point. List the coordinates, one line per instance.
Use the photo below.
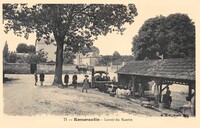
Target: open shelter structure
(163, 72)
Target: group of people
(74, 82)
(66, 80)
(41, 76)
(103, 78)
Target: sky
(123, 43)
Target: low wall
(50, 69)
(24, 68)
(16, 68)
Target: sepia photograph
(99, 62)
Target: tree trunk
(59, 63)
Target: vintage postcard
(99, 63)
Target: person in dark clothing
(74, 80)
(168, 93)
(42, 78)
(141, 90)
(167, 99)
(35, 77)
(85, 84)
(66, 79)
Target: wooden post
(160, 95)
(157, 92)
(133, 85)
(119, 79)
(190, 91)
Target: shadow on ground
(6, 79)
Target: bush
(12, 58)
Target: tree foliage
(95, 50)
(116, 54)
(172, 36)
(5, 52)
(75, 25)
(106, 60)
(12, 57)
(31, 49)
(38, 57)
(24, 48)
(68, 57)
(116, 58)
(92, 49)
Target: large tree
(22, 48)
(172, 36)
(116, 58)
(75, 25)
(31, 49)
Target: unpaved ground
(22, 97)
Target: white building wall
(88, 59)
(49, 48)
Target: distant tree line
(8, 56)
(32, 57)
(115, 59)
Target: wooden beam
(165, 87)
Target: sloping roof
(168, 68)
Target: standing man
(66, 79)
(74, 80)
(85, 83)
(42, 78)
(36, 77)
(141, 89)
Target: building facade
(90, 59)
(50, 48)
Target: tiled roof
(183, 69)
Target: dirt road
(22, 97)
